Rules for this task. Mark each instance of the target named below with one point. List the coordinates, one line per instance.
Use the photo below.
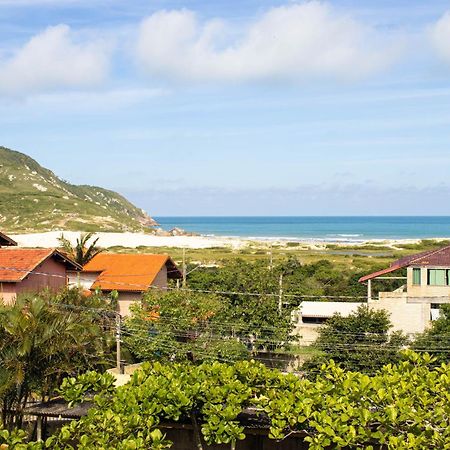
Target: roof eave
(6, 240)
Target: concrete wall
(307, 333)
(405, 316)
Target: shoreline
(135, 240)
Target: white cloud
(10, 3)
(102, 100)
(291, 42)
(440, 37)
(52, 60)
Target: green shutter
(416, 276)
(437, 277)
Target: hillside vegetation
(33, 198)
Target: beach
(135, 240)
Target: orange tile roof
(131, 273)
(17, 263)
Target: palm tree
(41, 342)
(82, 252)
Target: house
(311, 315)
(6, 241)
(31, 270)
(427, 285)
(129, 274)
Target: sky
(238, 107)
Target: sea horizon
(314, 228)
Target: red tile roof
(130, 273)
(6, 241)
(439, 258)
(17, 263)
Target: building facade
(32, 270)
(130, 275)
(415, 304)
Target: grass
(224, 254)
(33, 198)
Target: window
(438, 277)
(416, 276)
(316, 320)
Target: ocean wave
(344, 235)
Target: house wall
(423, 290)
(307, 333)
(405, 316)
(55, 278)
(126, 299)
(161, 279)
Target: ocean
(332, 229)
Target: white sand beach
(129, 240)
(133, 240)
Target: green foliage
(403, 406)
(358, 342)
(41, 342)
(176, 325)
(17, 440)
(425, 244)
(437, 338)
(318, 278)
(75, 389)
(254, 318)
(82, 252)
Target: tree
(179, 325)
(436, 340)
(41, 342)
(82, 252)
(251, 299)
(358, 342)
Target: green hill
(33, 198)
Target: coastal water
(345, 229)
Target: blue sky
(235, 108)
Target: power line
(203, 291)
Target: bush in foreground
(403, 406)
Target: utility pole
(184, 268)
(118, 337)
(270, 257)
(280, 295)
